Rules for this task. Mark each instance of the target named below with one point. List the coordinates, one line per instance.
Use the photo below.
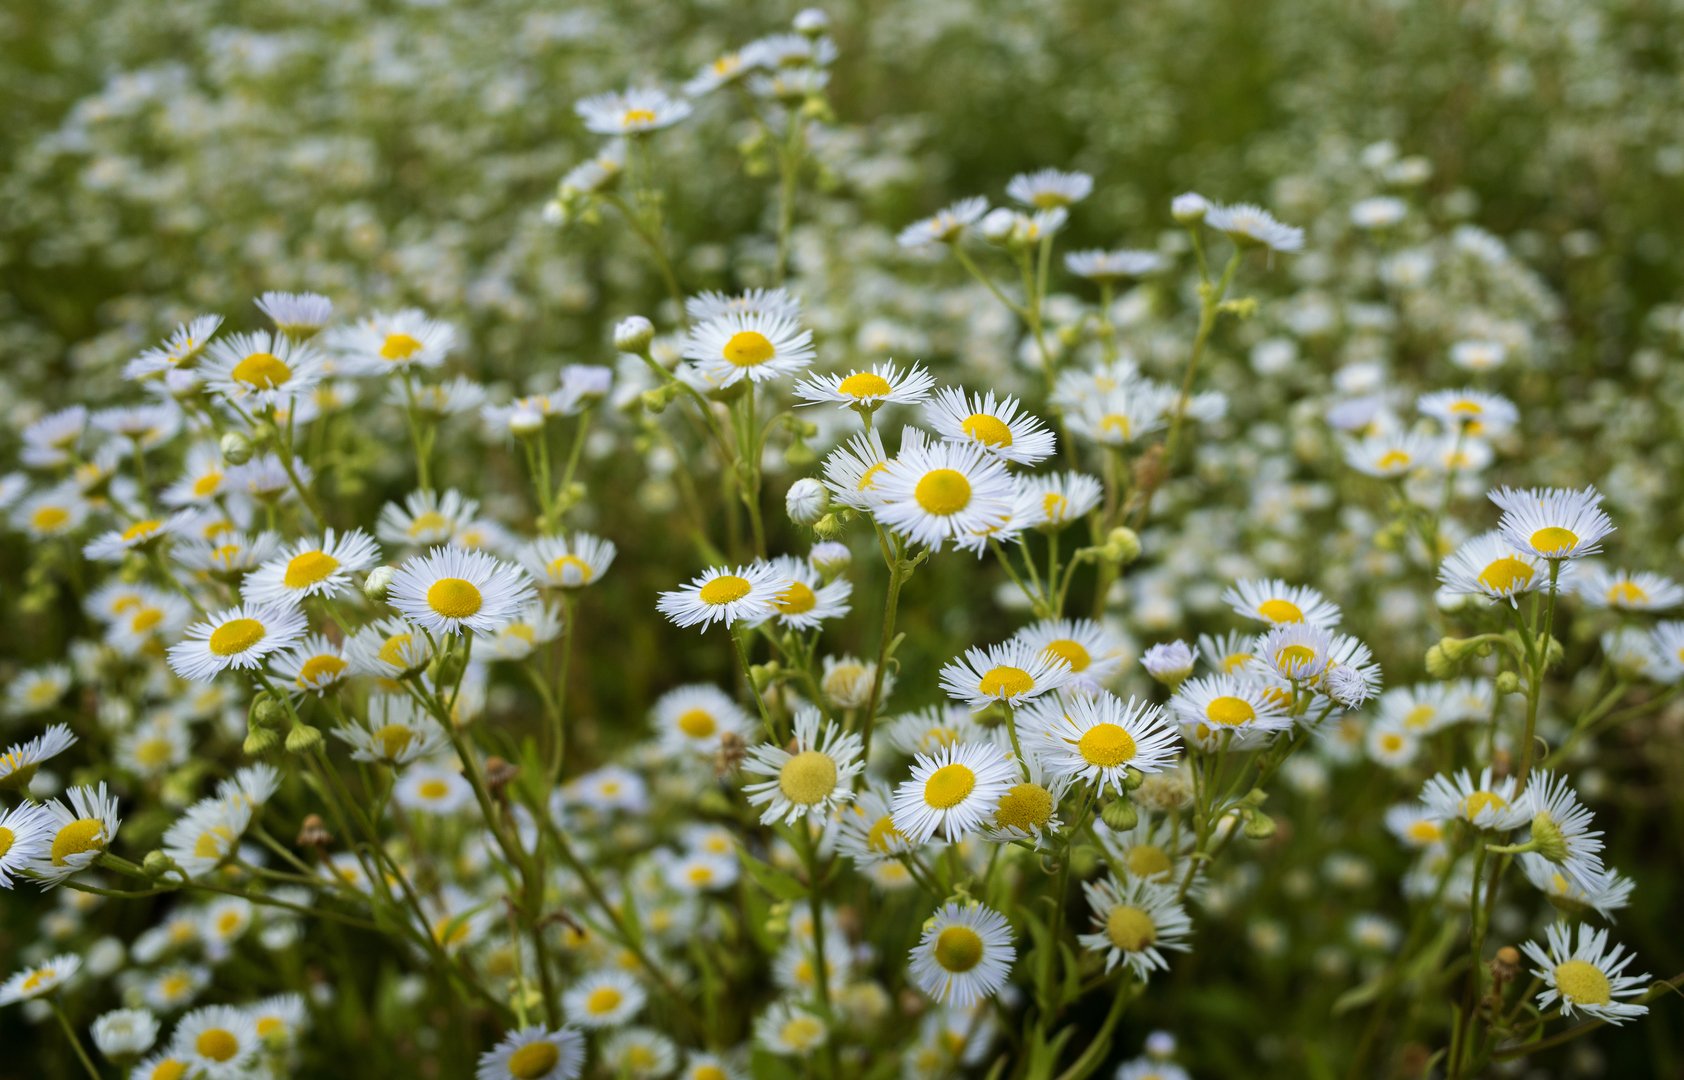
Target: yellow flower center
(724, 589)
(49, 518)
(943, 491)
(1425, 832)
(949, 785)
(1582, 983)
(1054, 506)
(533, 1060)
(140, 530)
(748, 348)
(1005, 682)
(637, 116)
(1626, 592)
(1280, 611)
(864, 384)
(1117, 424)
(1553, 541)
(1106, 745)
(1130, 928)
(604, 999)
(399, 347)
(801, 1032)
(393, 740)
(563, 567)
(6, 839)
(987, 429)
(883, 837)
(1391, 742)
(1071, 652)
(1506, 574)
(319, 669)
(1393, 459)
(697, 723)
(393, 650)
(869, 477)
(228, 923)
(1421, 716)
(1230, 711)
(807, 778)
(1480, 801)
(797, 599)
(1292, 657)
(1025, 806)
(236, 636)
(707, 1072)
(218, 1044)
(213, 842)
(169, 1069)
(268, 1026)
(308, 569)
(1147, 861)
(958, 948)
(454, 598)
(433, 788)
(429, 521)
(261, 371)
(38, 978)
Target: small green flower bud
(1439, 663)
(764, 674)
(260, 741)
(266, 711)
(1123, 545)
(374, 586)
(1259, 826)
(303, 738)
(1119, 815)
(236, 448)
(828, 527)
(1508, 683)
(157, 864)
(1133, 778)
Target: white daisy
(943, 491)
(1560, 829)
(57, 511)
(534, 1053)
(297, 315)
(125, 1033)
(1626, 591)
(1587, 977)
(1002, 426)
(633, 111)
(19, 762)
(1065, 498)
(26, 837)
(851, 471)
(1469, 411)
(965, 955)
(1389, 454)
(314, 665)
(207, 834)
(113, 546)
(772, 303)
(954, 790)
(312, 567)
(1012, 672)
(1603, 893)
(1047, 189)
(450, 590)
(37, 689)
(803, 601)
(1028, 811)
(1490, 565)
(700, 872)
(393, 342)
(946, 226)
(1477, 355)
(696, 718)
(1213, 705)
(261, 370)
(1485, 803)
(1114, 266)
(387, 649)
(1252, 226)
(812, 781)
(535, 624)
(758, 347)
(220, 1040)
(82, 831)
(238, 637)
(1097, 739)
(433, 790)
(1135, 923)
(426, 518)
(724, 595)
(882, 384)
(604, 999)
(790, 1030)
(567, 562)
(866, 830)
(1554, 523)
(178, 351)
(41, 979)
(1272, 600)
(1414, 825)
(395, 732)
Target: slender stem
(75, 1041)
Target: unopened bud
(1123, 545)
(526, 423)
(157, 864)
(499, 773)
(1508, 682)
(1120, 815)
(828, 527)
(236, 448)
(266, 711)
(1439, 663)
(303, 738)
(260, 741)
(763, 674)
(1133, 778)
(1189, 208)
(1506, 964)
(830, 558)
(375, 585)
(806, 501)
(633, 334)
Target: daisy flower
(279, 1019)
(1485, 803)
(851, 471)
(1603, 893)
(946, 226)
(26, 837)
(239, 637)
(1135, 923)
(1626, 591)
(433, 790)
(1097, 739)
(1295, 652)
(1210, 705)
(261, 370)
(219, 1040)
(40, 979)
(931, 728)
(1472, 412)
(772, 303)
(758, 347)
(125, 1033)
(1491, 565)
(207, 834)
(297, 315)
(19, 762)
(868, 389)
(699, 871)
(696, 718)
(1002, 427)
(1390, 745)
(631, 112)
(535, 624)
(790, 1030)
(314, 665)
(1414, 825)
(114, 545)
(1668, 641)
(1064, 498)
(943, 491)
(1476, 355)
(1150, 850)
(1560, 828)
(534, 1053)
(803, 601)
(426, 518)
(1112, 267)
(312, 567)
(395, 732)
(604, 999)
(1390, 454)
(1047, 189)
(1252, 226)
(1587, 977)
(866, 830)
(450, 590)
(1012, 672)
(387, 649)
(725, 595)
(567, 562)
(1025, 513)
(58, 511)
(393, 342)
(812, 781)
(1028, 811)
(180, 350)
(723, 70)
(1272, 600)
(954, 790)
(965, 955)
(1170, 662)
(82, 831)
(36, 689)
(1554, 523)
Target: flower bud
(1122, 545)
(1119, 815)
(1508, 682)
(375, 585)
(1169, 662)
(157, 864)
(1189, 208)
(811, 22)
(828, 527)
(1259, 826)
(267, 711)
(1439, 663)
(806, 501)
(830, 558)
(236, 448)
(525, 423)
(998, 225)
(633, 334)
(260, 741)
(303, 738)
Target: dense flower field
(1018, 540)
